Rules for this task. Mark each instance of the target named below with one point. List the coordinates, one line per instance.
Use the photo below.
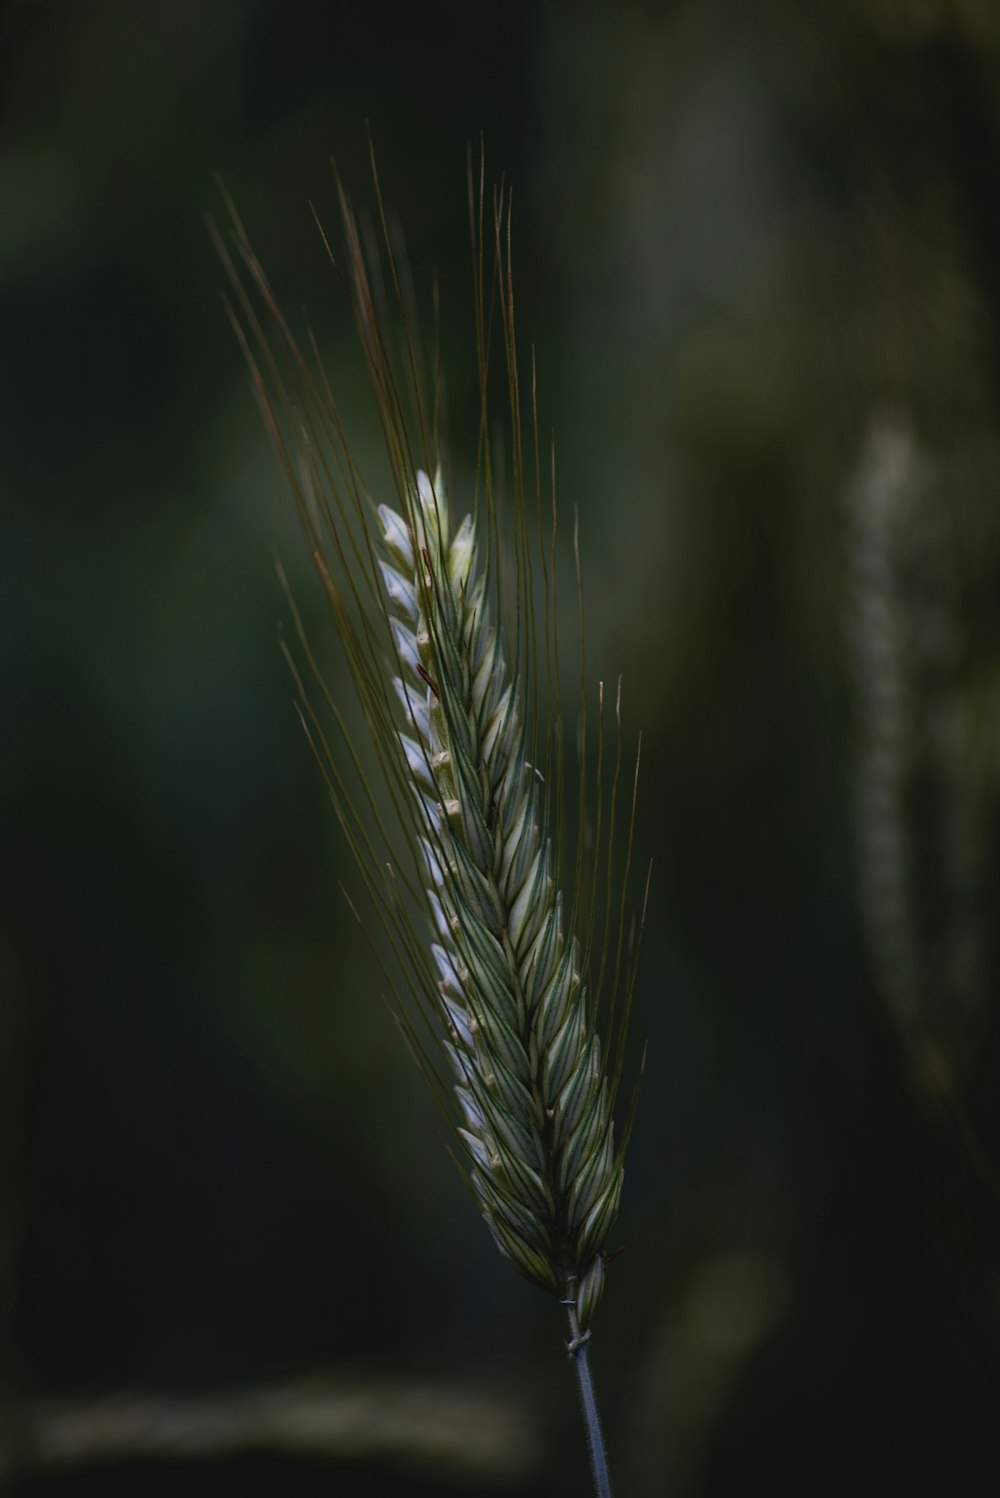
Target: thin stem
(588, 1404)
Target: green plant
(526, 998)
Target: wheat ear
(528, 1001)
(530, 1081)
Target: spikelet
(489, 972)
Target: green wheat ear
(455, 808)
(535, 1115)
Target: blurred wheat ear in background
(922, 787)
(496, 910)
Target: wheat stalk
(527, 998)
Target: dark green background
(737, 243)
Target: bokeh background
(758, 251)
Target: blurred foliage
(741, 236)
